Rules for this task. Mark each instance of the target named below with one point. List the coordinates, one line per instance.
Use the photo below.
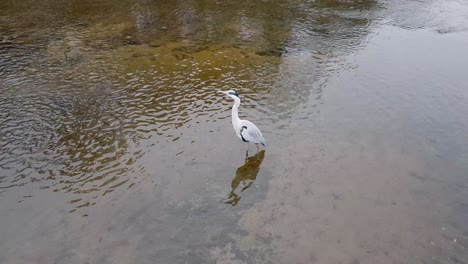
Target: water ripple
(80, 98)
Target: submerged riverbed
(115, 146)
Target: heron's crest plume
(232, 92)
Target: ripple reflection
(86, 89)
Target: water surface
(116, 147)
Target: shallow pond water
(117, 148)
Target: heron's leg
(246, 150)
(258, 148)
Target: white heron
(245, 130)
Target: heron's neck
(235, 111)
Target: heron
(245, 130)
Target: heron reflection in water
(245, 177)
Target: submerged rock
(278, 52)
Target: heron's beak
(224, 92)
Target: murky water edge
(116, 148)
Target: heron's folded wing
(250, 132)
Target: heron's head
(231, 93)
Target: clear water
(116, 147)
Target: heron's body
(247, 131)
